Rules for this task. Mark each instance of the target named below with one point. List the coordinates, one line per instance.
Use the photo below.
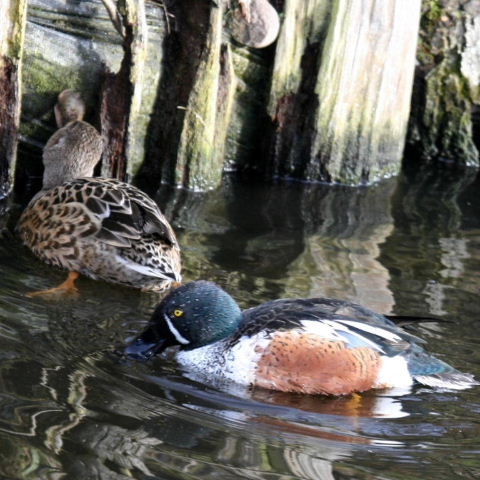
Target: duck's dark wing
(289, 312)
(357, 326)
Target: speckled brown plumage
(100, 227)
(104, 229)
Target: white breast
(237, 364)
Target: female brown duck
(98, 227)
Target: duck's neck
(55, 175)
(72, 152)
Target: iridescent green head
(195, 314)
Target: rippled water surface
(70, 409)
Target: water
(70, 409)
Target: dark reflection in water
(70, 408)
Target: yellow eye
(178, 313)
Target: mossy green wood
(200, 155)
(70, 47)
(137, 123)
(247, 125)
(65, 47)
(293, 102)
(444, 124)
(304, 23)
(339, 95)
(12, 28)
(130, 16)
(13, 15)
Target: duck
(98, 227)
(316, 346)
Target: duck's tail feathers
(448, 380)
(166, 275)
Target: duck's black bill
(146, 346)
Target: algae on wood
(355, 91)
(444, 124)
(72, 45)
(293, 102)
(196, 148)
(188, 141)
(67, 45)
(12, 30)
(333, 107)
(200, 156)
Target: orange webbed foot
(67, 287)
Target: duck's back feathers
(125, 212)
(357, 326)
(101, 227)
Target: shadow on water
(70, 408)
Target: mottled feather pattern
(47, 229)
(99, 227)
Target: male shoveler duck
(313, 346)
(102, 228)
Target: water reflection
(69, 408)
(289, 239)
(435, 244)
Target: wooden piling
(122, 93)
(12, 31)
(352, 93)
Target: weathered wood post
(445, 123)
(13, 15)
(122, 92)
(337, 98)
(200, 159)
(340, 102)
